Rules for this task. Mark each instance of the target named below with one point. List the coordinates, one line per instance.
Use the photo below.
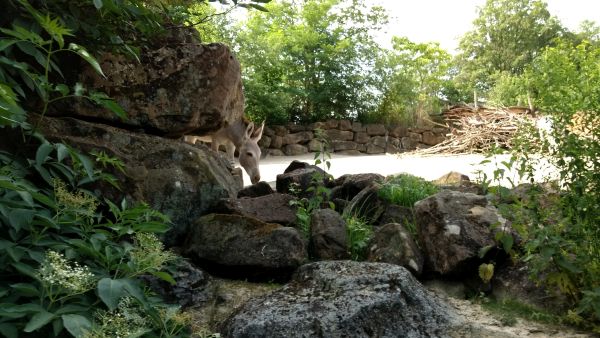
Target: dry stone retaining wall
(349, 137)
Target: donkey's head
(250, 151)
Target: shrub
(359, 233)
(405, 189)
(70, 258)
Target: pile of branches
(479, 130)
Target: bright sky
(445, 21)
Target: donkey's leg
(230, 148)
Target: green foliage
(66, 254)
(308, 61)
(507, 36)
(415, 75)
(405, 189)
(359, 233)
(19, 75)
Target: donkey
(242, 135)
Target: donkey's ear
(249, 130)
(257, 134)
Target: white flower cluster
(56, 270)
(125, 321)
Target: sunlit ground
(428, 167)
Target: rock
(380, 141)
(280, 130)
(297, 138)
(275, 152)
(452, 178)
(264, 142)
(417, 137)
(193, 287)
(328, 237)
(350, 152)
(452, 228)
(314, 145)
(345, 299)
(366, 205)
(397, 214)
(295, 128)
(349, 185)
(295, 149)
(361, 137)
(244, 247)
(339, 135)
(375, 149)
(398, 131)
(345, 125)
(331, 124)
(178, 87)
(431, 139)
(392, 243)
(343, 145)
(276, 142)
(173, 177)
(268, 131)
(358, 127)
(301, 174)
(512, 282)
(261, 188)
(272, 208)
(376, 129)
(408, 143)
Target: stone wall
(348, 137)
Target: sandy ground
(427, 167)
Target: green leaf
(77, 325)
(26, 196)
(20, 218)
(111, 291)
(42, 152)
(62, 88)
(98, 4)
(9, 330)
(567, 265)
(483, 251)
(31, 50)
(78, 89)
(87, 163)
(38, 320)
(114, 107)
(5, 43)
(26, 289)
(164, 276)
(507, 242)
(25, 269)
(87, 57)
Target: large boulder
(301, 175)
(366, 204)
(244, 247)
(328, 236)
(178, 179)
(193, 287)
(272, 208)
(345, 299)
(349, 185)
(392, 243)
(261, 188)
(453, 227)
(178, 86)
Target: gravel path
(428, 167)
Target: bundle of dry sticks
(478, 130)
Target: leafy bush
(70, 260)
(359, 233)
(405, 189)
